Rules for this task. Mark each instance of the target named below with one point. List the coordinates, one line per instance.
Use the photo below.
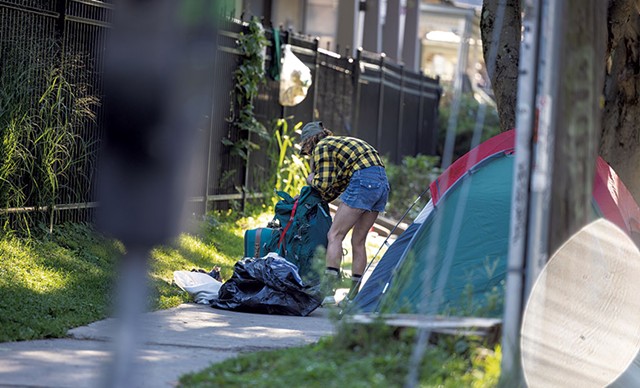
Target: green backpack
(303, 223)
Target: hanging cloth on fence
(276, 56)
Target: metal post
(356, 95)
(380, 104)
(552, 34)
(400, 116)
(525, 121)
(61, 9)
(420, 128)
(287, 39)
(210, 133)
(316, 78)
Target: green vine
(248, 77)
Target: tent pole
(515, 295)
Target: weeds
(41, 113)
(373, 355)
(292, 169)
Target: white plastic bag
(201, 286)
(295, 79)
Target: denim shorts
(368, 189)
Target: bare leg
(358, 240)
(345, 218)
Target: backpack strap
(286, 228)
(256, 245)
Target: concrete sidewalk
(184, 339)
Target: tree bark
(580, 77)
(504, 77)
(620, 140)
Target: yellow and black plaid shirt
(335, 158)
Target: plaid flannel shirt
(335, 158)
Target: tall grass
(42, 111)
(292, 168)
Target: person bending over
(351, 169)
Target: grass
(358, 356)
(54, 282)
(50, 283)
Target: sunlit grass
(50, 283)
(53, 282)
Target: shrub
(408, 181)
(466, 122)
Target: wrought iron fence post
(61, 9)
(356, 95)
(316, 77)
(207, 178)
(420, 128)
(287, 40)
(400, 116)
(380, 103)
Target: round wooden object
(581, 326)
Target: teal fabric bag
(257, 241)
(305, 222)
(298, 229)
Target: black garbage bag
(267, 285)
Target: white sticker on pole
(540, 179)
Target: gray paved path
(177, 341)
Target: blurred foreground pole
(568, 105)
(528, 86)
(581, 74)
(158, 70)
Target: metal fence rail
(367, 96)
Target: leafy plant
(407, 181)
(292, 168)
(466, 122)
(248, 77)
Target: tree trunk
(580, 79)
(620, 137)
(620, 140)
(504, 77)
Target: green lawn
(50, 283)
(357, 356)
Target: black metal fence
(367, 96)
(46, 45)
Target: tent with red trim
(452, 259)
